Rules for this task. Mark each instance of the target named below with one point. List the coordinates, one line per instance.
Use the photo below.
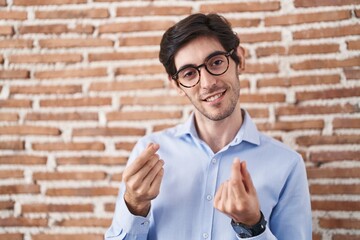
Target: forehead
(195, 51)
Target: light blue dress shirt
(192, 174)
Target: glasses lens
(218, 64)
(188, 76)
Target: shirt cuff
(131, 224)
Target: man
(215, 176)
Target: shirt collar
(247, 132)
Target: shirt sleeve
(266, 235)
(125, 225)
(291, 217)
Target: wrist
(137, 208)
(247, 231)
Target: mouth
(215, 97)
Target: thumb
(236, 170)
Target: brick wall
(80, 82)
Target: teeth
(213, 98)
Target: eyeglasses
(216, 64)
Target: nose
(207, 80)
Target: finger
(149, 178)
(218, 195)
(236, 179)
(235, 170)
(248, 183)
(155, 185)
(141, 160)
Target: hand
(237, 196)
(142, 179)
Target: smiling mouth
(214, 97)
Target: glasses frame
(226, 54)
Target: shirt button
(209, 197)
(213, 161)
(205, 235)
(145, 223)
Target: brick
(74, 73)
(346, 123)
(326, 63)
(84, 222)
(12, 236)
(152, 11)
(258, 112)
(44, 29)
(292, 19)
(23, 222)
(23, 159)
(270, 51)
(318, 3)
(316, 236)
(46, 2)
(261, 68)
(16, 43)
(266, 98)
(135, 26)
(329, 32)
(82, 29)
(15, 103)
(123, 56)
(89, 160)
(83, 192)
(327, 189)
(44, 236)
(69, 146)
(342, 223)
(29, 130)
(6, 30)
(48, 208)
(292, 125)
(14, 74)
(66, 116)
(316, 109)
(73, 14)
(156, 100)
(357, 13)
(328, 94)
(3, 3)
(143, 115)
(8, 174)
(109, 131)
(9, 117)
(313, 49)
(55, 176)
(13, 15)
(75, 43)
(352, 73)
(260, 37)
(13, 145)
(345, 237)
(6, 205)
(63, 89)
(298, 81)
(139, 40)
(45, 58)
(160, 127)
(353, 45)
(328, 172)
(126, 85)
(76, 102)
(127, 146)
(330, 156)
(116, 177)
(19, 189)
(245, 22)
(243, 7)
(335, 205)
(326, 140)
(109, 207)
(138, 70)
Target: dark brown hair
(191, 27)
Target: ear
(241, 54)
(176, 86)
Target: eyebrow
(205, 60)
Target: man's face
(214, 97)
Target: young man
(215, 176)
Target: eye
(188, 73)
(216, 61)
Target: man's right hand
(143, 178)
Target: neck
(218, 134)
